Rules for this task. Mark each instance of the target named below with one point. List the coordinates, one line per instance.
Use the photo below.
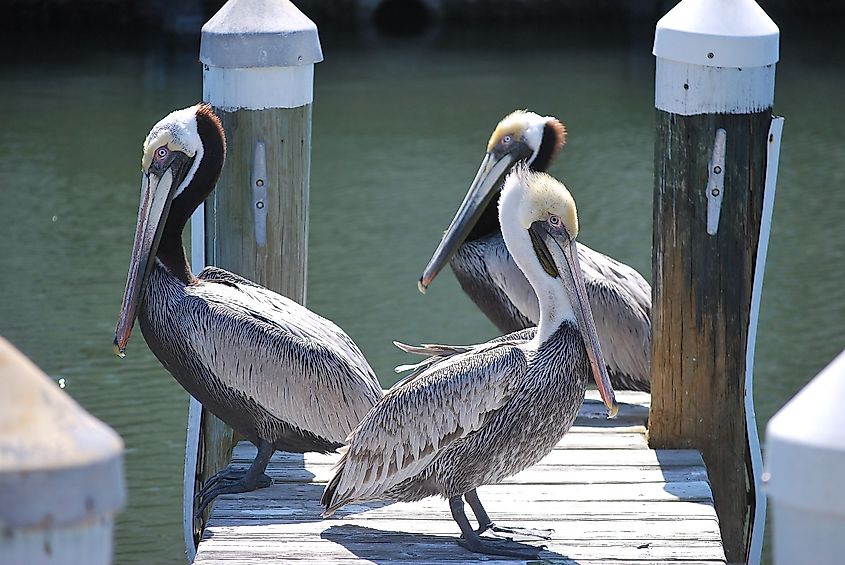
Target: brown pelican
(479, 416)
(277, 373)
(620, 297)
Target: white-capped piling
(61, 472)
(716, 155)
(805, 462)
(258, 61)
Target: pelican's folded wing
(296, 365)
(412, 424)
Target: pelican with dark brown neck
(277, 373)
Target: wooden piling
(714, 92)
(258, 61)
(61, 472)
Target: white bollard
(258, 61)
(61, 472)
(805, 462)
(715, 56)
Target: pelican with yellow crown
(474, 246)
(479, 416)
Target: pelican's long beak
(564, 259)
(156, 196)
(480, 193)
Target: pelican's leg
(485, 523)
(230, 481)
(471, 540)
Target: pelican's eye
(161, 152)
(507, 139)
(554, 221)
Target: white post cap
(259, 33)
(58, 464)
(806, 445)
(717, 33)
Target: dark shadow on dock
(350, 510)
(291, 466)
(292, 497)
(594, 414)
(383, 546)
(685, 475)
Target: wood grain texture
(609, 500)
(257, 512)
(542, 473)
(596, 457)
(701, 302)
(692, 529)
(281, 263)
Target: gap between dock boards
(609, 498)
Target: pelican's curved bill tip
(119, 351)
(612, 410)
(421, 286)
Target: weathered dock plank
(660, 458)
(548, 510)
(608, 497)
(300, 493)
(693, 529)
(542, 473)
(373, 545)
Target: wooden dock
(609, 498)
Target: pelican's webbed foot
(502, 547)
(231, 481)
(485, 524)
(228, 474)
(513, 531)
(234, 482)
(472, 541)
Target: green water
(399, 130)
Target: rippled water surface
(399, 130)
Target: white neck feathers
(555, 305)
(192, 171)
(534, 135)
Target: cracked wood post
(716, 154)
(258, 61)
